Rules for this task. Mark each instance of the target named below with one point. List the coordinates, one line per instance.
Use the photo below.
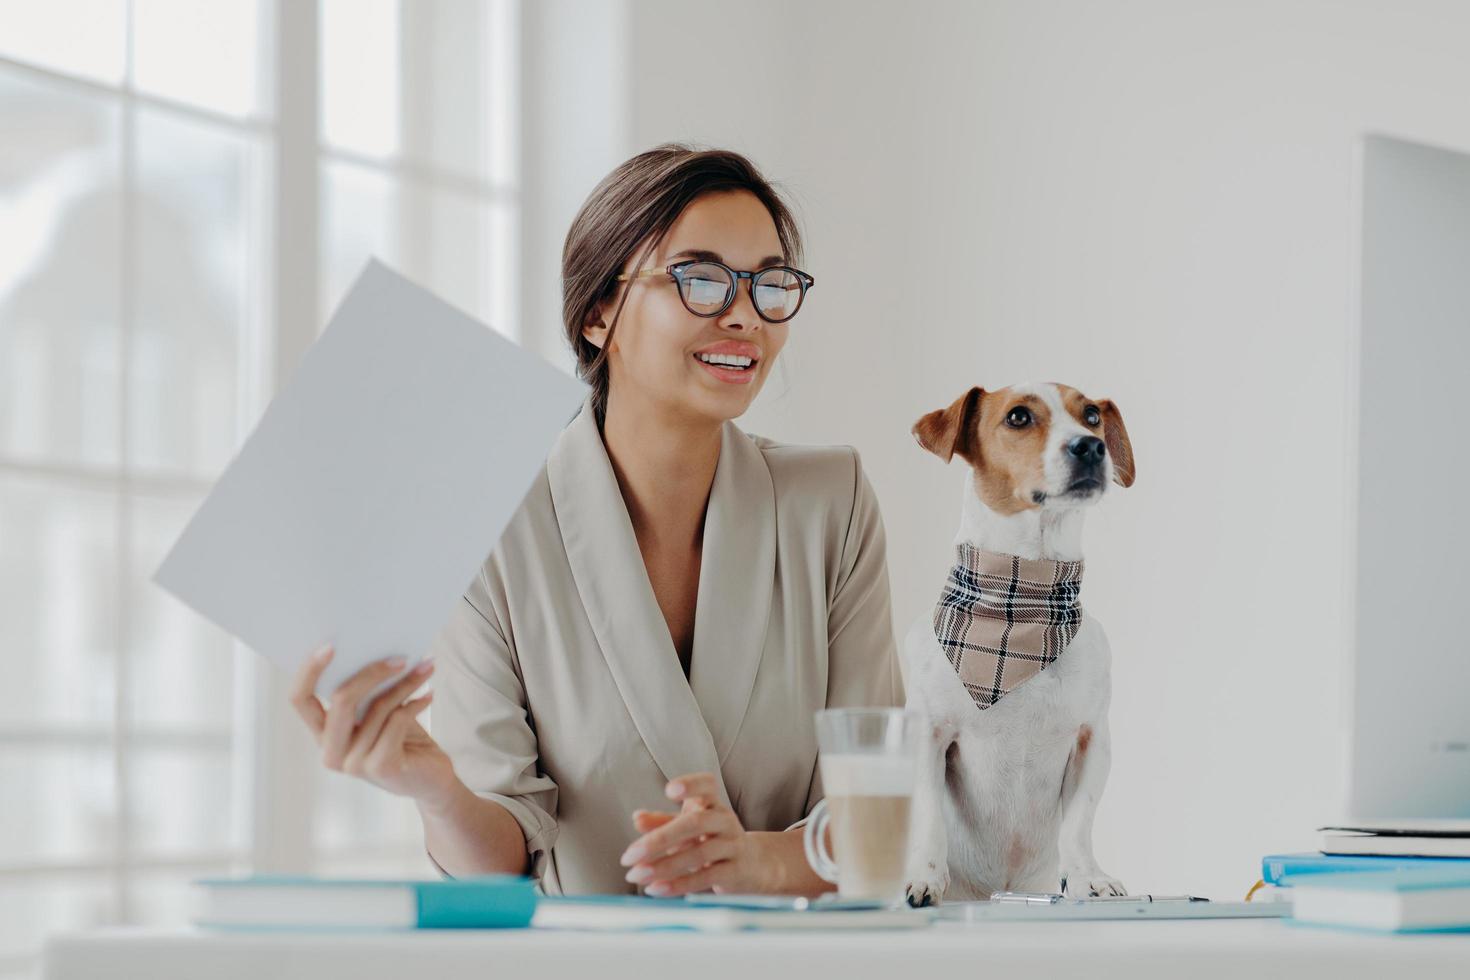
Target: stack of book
(1380, 893)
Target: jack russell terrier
(1008, 673)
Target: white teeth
(726, 360)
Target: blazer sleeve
(480, 718)
(862, 657)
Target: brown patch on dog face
(1077, 404)
(1010, 468)
(1109, 427)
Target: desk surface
(1133, 950)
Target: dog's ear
(1118, 445)
(950, 432)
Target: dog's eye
(1091, 415)
(1018, 418)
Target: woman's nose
(742, 315)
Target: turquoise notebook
(291, 902)
(1275, 867)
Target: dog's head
(1033, 446)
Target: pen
(1053, 898)
(1145, 898)
(1026, 898)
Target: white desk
(1195, 950)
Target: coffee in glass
(867, 761)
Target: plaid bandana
(1002, 619)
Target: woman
(674, 598)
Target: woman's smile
(731, 361)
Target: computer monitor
(1410, 739)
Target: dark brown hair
(635, 206)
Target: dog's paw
(1091, 884)
(922, 892)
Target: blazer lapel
(736, 578)
(613, 586)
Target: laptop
(1409, 758)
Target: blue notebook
(1416, 900)
(1275, 867)
(288, 902)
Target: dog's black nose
(1087, 449)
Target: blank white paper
(375, 485)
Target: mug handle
(813, 841)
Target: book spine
(472, 907)
(1275, 868)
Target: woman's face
(655, 351)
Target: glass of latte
(867, 760)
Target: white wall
(575, 128)
(1154, 202)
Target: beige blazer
(558, 692)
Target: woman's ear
(595, 333)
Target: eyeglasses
(708, 288)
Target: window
(186, 192)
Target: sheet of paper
(377, 482)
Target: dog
(1009, 676)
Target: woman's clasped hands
(703, 847)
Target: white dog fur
(1006, 796)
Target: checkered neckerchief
(1002, 619)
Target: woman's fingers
(390, 741)
(677, 833)
(681, 863)
(365, 736)
(698, 789)
(303, 689)
(342, 711)
(646, 820)
(699, 881)
(687, 852)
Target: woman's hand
(703, 847)
(388, 748)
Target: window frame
(265, 742)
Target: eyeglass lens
(707, 287)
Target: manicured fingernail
(325, 653)
(631, 856)
(424, 666)
(395, 662)
(657, 888)
(640, 874)
(674, 790)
